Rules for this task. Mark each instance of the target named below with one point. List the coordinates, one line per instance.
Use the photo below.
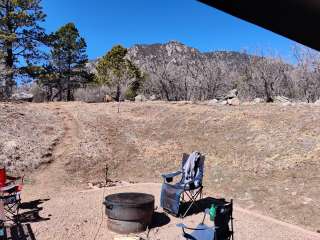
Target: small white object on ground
(126, 238)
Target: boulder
(281, 99)
(212, 102)
(22, 96)
(231, 94)
(140, 98)
(286, 104)
(108, 98)
(317, 102)
(153, 98)
(258, 100)
(234, 101)
(223, 102)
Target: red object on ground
(3, 177)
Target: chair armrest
(198, 228)
(171, 175)
(8, 187)
(168, 177)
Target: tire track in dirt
(53, 177)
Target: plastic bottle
(212, 212)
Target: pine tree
(118, 72)
(20, 37)
(68, 59)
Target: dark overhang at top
(298, 20)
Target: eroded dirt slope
(28, 135)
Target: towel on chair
(189, 167)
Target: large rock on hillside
(234, 101)
(140, 98)
(317, 102)
(212, 102)
(108, 98)
(231, 94)
(153, 98)
(258, 100)
(281, 99)
(22, 96)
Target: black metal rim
(128, 199)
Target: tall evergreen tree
(68, 60)
(20, 37)
(118, 72)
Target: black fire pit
(129, 212)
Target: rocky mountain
(143, 54)
(176, 71)
(179, 72)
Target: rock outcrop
(140, 98)
(22, 96)
(234, 101)
(108, 98)
(281, 99)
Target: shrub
(39, 94)
(91, 94)
(130, 94)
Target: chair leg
(232, 220)
(193, 198)
(12, 212)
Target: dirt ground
(77, 215)
(265, 156)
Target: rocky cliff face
(143, 55)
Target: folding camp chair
(223, 221)
(178, 199)
(10, 198)
(10, 195)
(221, 230)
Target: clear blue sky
(104, 23)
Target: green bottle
(212, 212)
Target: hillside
(174, 71)
(265, 156)
(144, 55)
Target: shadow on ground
(31, 211)
(159, 220)
(201, 205)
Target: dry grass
(28, 135)
(264, 156)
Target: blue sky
(104, 23)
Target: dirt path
(53, 178)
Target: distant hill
(176, 71)
(142, 54)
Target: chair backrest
(199, 167)
(2, 177)
(223, 219)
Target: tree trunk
(9, 63)
(9, 58)
(267, 91)
(118, 93)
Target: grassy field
(265, 156)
